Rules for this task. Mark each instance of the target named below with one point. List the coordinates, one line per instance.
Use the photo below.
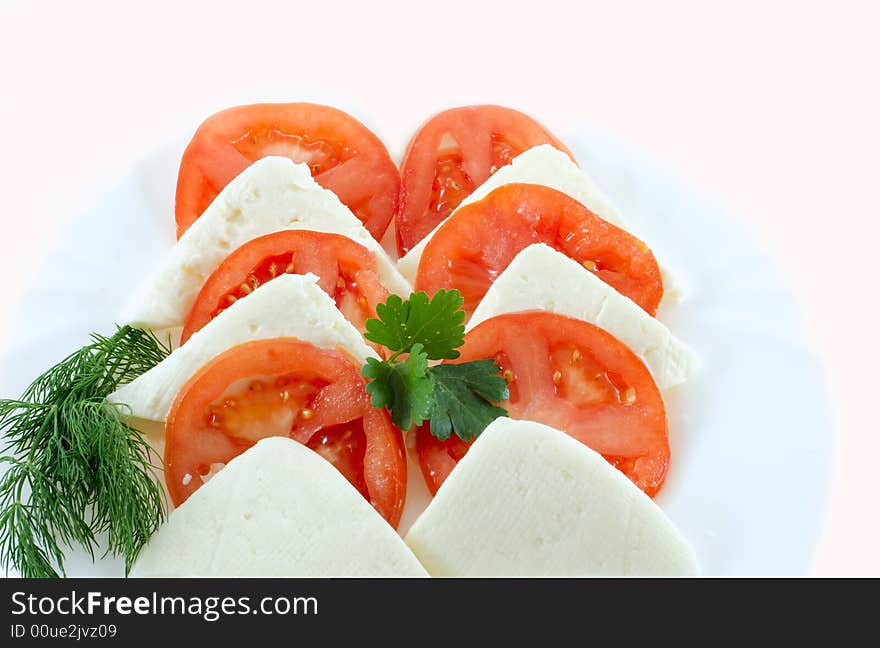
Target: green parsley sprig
(456, 398)
(74, 470)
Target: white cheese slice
(272, 194)
(528, 500)
(277, 510)
(288, 306)
(541, 278)
(544, 165)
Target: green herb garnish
(437, 324)
(463, 396)
(74, 470)
(403, 387)
(454, 397)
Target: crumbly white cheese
(528, 500)
(541, 278)
(544, 165)
(272, 194)
(277, 510)
(288, 306)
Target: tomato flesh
(265, 408)
(452, 183)
(284, 387)
(320, 155)
(342, 154)
(346, 271)
(575, 377)
(437, 458)
(481, 239)
(452, 154)
(345, 447)
(451, 186)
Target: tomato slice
(480, 240)
(437, 458)
(284, 387)
(344, 155)
(452, 154)
(346, 272)
(573, 376)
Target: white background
(770, 108)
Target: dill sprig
(75, 469)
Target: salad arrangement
(511, 351)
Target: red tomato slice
(284, 387)
(480, 240)
(437, 458)
(452, 154)
(344, 155)
(575, 377)
(346, 271)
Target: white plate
(750, 436)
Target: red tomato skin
(356, 165)
(334, 258)
(487, 136)
(551, 363)
(481, 239)
(193, 442)
(437, 458)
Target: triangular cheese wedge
(288, 306)
(277, 510)
(541, 278)
(528, 500)
(271, 195)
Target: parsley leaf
(437, 324)
(461, 395)
(403, 387)
(455, 398)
